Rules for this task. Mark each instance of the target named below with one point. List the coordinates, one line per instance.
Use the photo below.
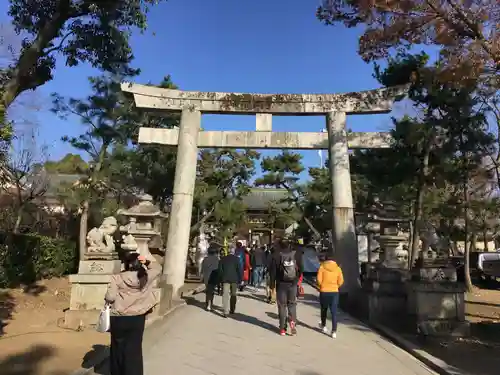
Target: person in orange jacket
(329, 279)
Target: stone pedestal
(385, 294)
(385, 286)
(436, 302)
(88, 289)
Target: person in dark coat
(210, 275)
(285, 272)
(258, 262)
(230, 276)
(270, 289)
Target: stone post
(344, 232)
(174, 268)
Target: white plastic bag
(104, 322)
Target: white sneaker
(334, 335)
(209, 308)
(323, 328)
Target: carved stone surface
(100, 240)
(437, 308)
(393, 253)
(129, 243)
(143, 225)
(371, 101)
(386, 293)
(99, 266)
(265, 139)
(435, 274)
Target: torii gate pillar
(179, 224)
(344, 229)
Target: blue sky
(261, 46)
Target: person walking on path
(130, 294)
(241, 253)
(258, 261)
(210, 275)
(329, 279)
(285, 272)
(271, 290)
(230, 276)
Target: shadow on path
(254, 296)
(254, 321)
(29, 361)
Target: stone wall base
(385, 294)
(80, 319)
(437, 308)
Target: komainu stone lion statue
(100, 240)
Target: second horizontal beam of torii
(264, 139)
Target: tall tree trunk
(195, 227)
(468, 280)
(84, 217)
(311, 226)
(469, 247)
(485, 240)
(410, 241)
(19, 219)
(419, 201)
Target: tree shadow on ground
(254, 321)
(300, 323)
(34, 289)
(28, 362)
(7, 305)
(480, 303)
(254, 296)
(8, 302)
(193, 301)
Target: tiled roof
(262, 198)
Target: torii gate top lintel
(362, 102)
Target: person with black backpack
(285, 271)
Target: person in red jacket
(246, 268)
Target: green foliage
(26, 258)
(223, 178)
(69, 164)
(146, 168)
(78, 31)
(318, 199)
(283, 171)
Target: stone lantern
(385, 283)
(144, 224)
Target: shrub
(26, 258)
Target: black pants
(126, 345)
(286, 295)
(209, 294)
(329, 301)
(229, 297)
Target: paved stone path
(197, 342)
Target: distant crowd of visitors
(130, 293)
(282, 267)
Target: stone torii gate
(189, 137)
